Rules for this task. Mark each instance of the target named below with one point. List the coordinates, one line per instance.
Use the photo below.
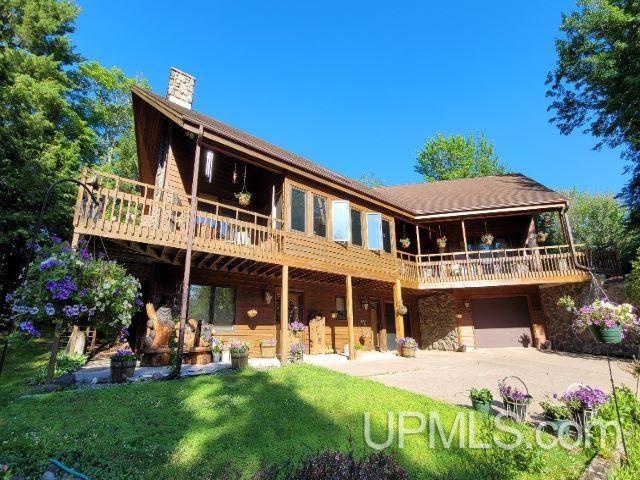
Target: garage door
(501, 322)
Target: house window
(340, 220)
(298, 210)
(319, 216)
(374, 231)
(341, 308)
(356, 227)
(386, 236)
(212, 304)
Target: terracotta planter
(480, 406)
(239, 361)
(407, 352)
(268, 351)
(606, 335)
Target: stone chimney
(181, 86)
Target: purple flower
(585, 398)
(8, 298)
(49, 309)
(83, 292)
(49, 263)
(124, 333)
(27, 328)
(512, 393)
(60, 289)
(296, 327)
(139, 302)
(71, 311)
(297, 350)
(55, 239)
(36, 248)
(84, 254)
(123, 354)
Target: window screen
(374, 231)
(319, 216)
(340, 220)
(298, 210)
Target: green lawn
(192, 428)
(21, 364)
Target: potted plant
(481, 399)
(244, 198)
(583, 403)
(607, 321)
(515, 401)
(123, 364)
(557, 416)
(456, 269)
(566, 302)
(541, 237)
(357, 351)
(239, 352)
(407, 347)
(442, 243)
(487, 239)
(405, 242)
(217, 346)
(402, 309)
(268, 348)
(297, 353)
(251, 313)
(296, 327)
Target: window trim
(335, 305)
(211, 321)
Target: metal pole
(615, 401)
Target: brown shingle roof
(417, 199)
(468, 194)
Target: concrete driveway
(448, 376)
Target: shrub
(555, 411)
(297, 350)
(328, 465)
(65, 363)
(357, 346)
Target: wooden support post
(464, 239)
(284, 314)
(349, 301)
(418, 242)
(187, 259)
(397, 300)
(75, 240)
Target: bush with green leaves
(555, 411)
(65, 363)
(69, 287)
(482, 395)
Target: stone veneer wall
(558, 321)
(438, 326)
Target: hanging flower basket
(402, 309)
(405, 242)
(442, 242)
(487, 239)
(608, 322)
(244, 198)
(515, 400)
(252, 313)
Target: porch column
(418, 241)
(397, 300)
(184, 306)
(284, 314)
(349, 301)
(464, 239)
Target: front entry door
(295, 315)
(390, 323)
(376, 327)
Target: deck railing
(135, 211)
(504, 264)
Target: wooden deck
(518, 266)
(154, 221)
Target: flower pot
(582, 418)
(442, 249)
(516, 410)
(217, 356)
(297, 360)
(129, 367)
(244, 199)
(480, 406)
(357, 354)
(558, 427)
(116, 371)
(606, 335)
(268, 351)
(239, 361)
(408, 352)
(226, 357)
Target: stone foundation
(558, 321)
(438, 326)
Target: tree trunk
(51, 368)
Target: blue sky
(359, 86)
